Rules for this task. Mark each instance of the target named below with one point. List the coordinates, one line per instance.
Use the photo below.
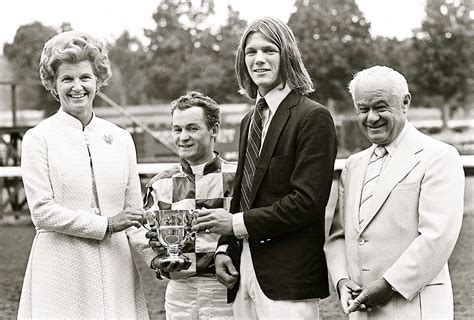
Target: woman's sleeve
(133, 200)
(46, 213)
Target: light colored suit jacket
(414, 223)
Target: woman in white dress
(83, 191)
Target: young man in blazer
(400, 210)
(273, 262)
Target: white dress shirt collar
(392, 146)
(274, 97)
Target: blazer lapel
(244, 130)
(402, 162)
(273, 134)
(244, 134)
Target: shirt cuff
(222, 248)
(238, 225)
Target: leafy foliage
(228, 37)
(187, 51)
(186, 54)
(129, 63)
(335, 42)
(444, 48)
(24, 53)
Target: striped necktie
(254, 142)
(370, 182)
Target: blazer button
(262, 242)
(361, 241)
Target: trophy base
(180, 262)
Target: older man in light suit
(400, 211)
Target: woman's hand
(126, 219)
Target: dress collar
(74, 122)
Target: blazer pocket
(407, 186)
(309, 266)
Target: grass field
(15, 243)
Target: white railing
(152, 168)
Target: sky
(107, 19)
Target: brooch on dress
(108, 138)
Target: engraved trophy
(174, 230)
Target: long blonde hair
(292, 69)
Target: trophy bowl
(174, 230)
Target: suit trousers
(196, 298)
(252, 303)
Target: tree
(444, 47)
(129, 64)
(394, 53)
(335, 42)
(185, 53)
(399, 55)
(24, 53)
(179, 34)
(227, 42)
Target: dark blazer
(290, 191)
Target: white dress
(74, 271)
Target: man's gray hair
(400, 85)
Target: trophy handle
(151, 220)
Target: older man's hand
(214, 220)
(377, 292)
(348, 291)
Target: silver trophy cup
(174, 230)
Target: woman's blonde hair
(73, 47)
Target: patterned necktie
(254, 142)
(370, 182)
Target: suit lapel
(402, 162)
(357, 181)
(273, 134)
